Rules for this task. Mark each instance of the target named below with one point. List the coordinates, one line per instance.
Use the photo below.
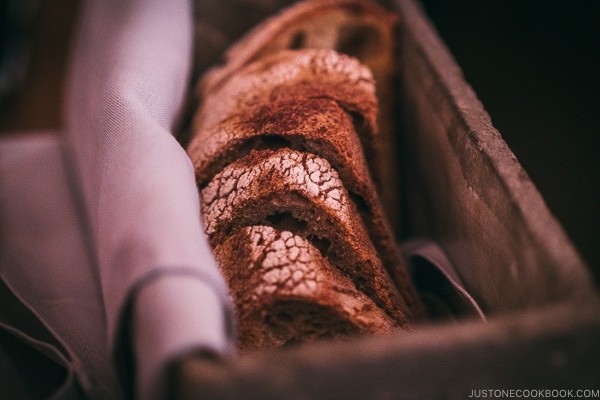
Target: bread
(286, 142)
(307, 100)
(300, 192)
(287, 293)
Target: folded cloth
(441, 289)
(128, 78)
(144, 282)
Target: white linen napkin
(130, 67)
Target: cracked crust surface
(359, 28)
(284, 78)
(286, 292)
(268, 173)
(302, 193)
(318, 125)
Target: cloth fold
(46, 260)
(129, 200)
(128, 80)
(25, 338)
(441, 289)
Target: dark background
(535, 67)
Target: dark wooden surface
(534, 65)
(528, 352)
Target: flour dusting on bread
(290, 158)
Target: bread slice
(283, 77)
(302, 193)
(359, 28)
(285, 292)
(314, 124)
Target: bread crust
(286, 292)
(285, 77)
(320, 22)
(316, 124)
